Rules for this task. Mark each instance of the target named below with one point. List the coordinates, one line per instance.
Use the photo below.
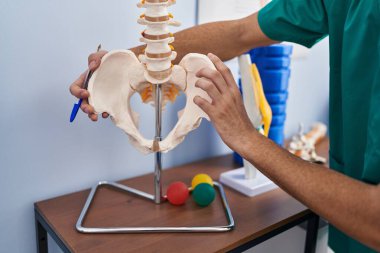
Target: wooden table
(257, 219)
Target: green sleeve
(301, 21)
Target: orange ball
(177, 193)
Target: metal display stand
(157, 198)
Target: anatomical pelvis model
(121, 74)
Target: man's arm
(227, 39)
(350, 205)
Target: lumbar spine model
(121, 74)
(158, 53)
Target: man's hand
(77, 90)
(226, 110)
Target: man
(350, 202)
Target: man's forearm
(226, 39)
(356, 213)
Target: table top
(254, 217)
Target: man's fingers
(227, 75)
(203, 104)
(95, 59)
(223, 69)
(83, 107)
(209, 87)
(87, 108)
(84, 94)
(215, 77)
(76, 88)
(93, 117)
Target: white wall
(43, 47)
(309, 89)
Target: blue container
(238, 159)
(275, 81)
(278, 109)
(272, 51)
(272, 63)
(276, 134)
(278, 120)
(277, 98)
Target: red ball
(177, 193)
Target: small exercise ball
(177, 193)
(201, 178)
(203, 194)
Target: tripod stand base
(123, 188)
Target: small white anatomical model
(121, 74)
(303, 145)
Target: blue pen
(76, 106)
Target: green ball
(203, 194)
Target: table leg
(41, 236)
(311, 234)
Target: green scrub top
(353, 27)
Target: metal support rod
(158, 198)
(179, 229)
(158, 156)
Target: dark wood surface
(254, 217)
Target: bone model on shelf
(303, 145)
(121, 74)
